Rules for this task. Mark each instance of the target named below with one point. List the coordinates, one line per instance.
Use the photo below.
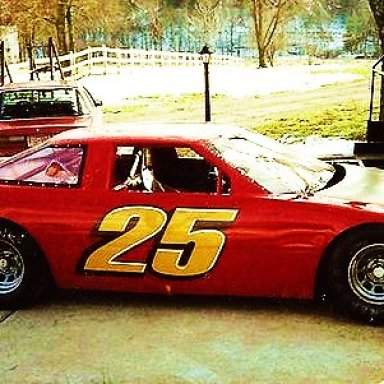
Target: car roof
(52, 84)
(158, 131)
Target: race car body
(189, 209)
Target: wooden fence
(104, 60)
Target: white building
(11, 42)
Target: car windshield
(32, 103)
(272, 165)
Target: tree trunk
(258, 15)
(60, 26)
(262, 57)
(377, 8)
(71, 28)
(268, 16)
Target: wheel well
(42, 258)
(321, 286)
(11, 224)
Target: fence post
(72, 61)
(119, 56)
(105, 58)
(90, 61)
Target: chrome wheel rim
(11, 268)
(366, 274)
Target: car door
(171, 238)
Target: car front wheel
(356, 274)
(23, 274)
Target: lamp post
(206, 56)
(2, 63)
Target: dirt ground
(112, 338)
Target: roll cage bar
(371, 152)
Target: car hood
(360, 185)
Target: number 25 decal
(180, 232)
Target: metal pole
(207, 96)
(381, 110)
(2, 64)
(381, 73)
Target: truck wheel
(23, 273)
(356, 274)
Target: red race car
(32, 112)
(189, 209)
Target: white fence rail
(104, 60)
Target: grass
(345, 120)
(336, 110)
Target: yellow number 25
(190, 245)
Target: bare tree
(204, 17)
(71, 17)
(153, 10)
(57, 16)
(111, 25)
(377, 8)
(268, 16)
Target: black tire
(356, 274)
(23, 272)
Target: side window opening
(167, 169)
(124, 161)
(48, 165)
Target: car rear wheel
(23, 273)
(356, 274)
